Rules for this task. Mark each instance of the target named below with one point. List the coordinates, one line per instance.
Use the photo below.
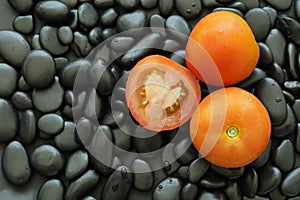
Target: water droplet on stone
(132, 60)
(160, 187)
(124, 172)
(116, 40)
(115, 188)
(278, 100)
(167, 166)
(188, 11)
(193, 4)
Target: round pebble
(265, 55)
(249, 184)
(290, 184)
(128, 4)
(51, 124)
(211, 180)
(269, 177)
(24, 24)
(231, 173)
(233, 190)
(9, 121)
(197, 169)
(27, 131)
(272, 14)
(95, 36)
(288, 126)
(81, 45)
(87, 15)
(290, 27)
(188, 8)
(275, 71)
(52, 11)
(236, 11)
(35, 42)
(70, 3)
(122, 43)
(143, 176)
(15, 164)
(166, 7)
(277, 42)
(109, 17)
(38, 69)
(21, 100)
(8, 80)
(133, 20)
(168, 189)
(178, 23)
(65, 35)
(76, 164)
(281, 5)
(52, 189)
(292, 60)
(148, 3)
(21, 6)
(283, 162)
(189, 191)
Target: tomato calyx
(232, 132)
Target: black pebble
(65, 35)
(9, 121)
(168, 189)
(146, 144)
(250, 4)
(133, 20)
(263, 158)
(197, 169)
(212, 181)
(27, 131)
(297, 9)
(178, 23)
(87, 15)
(269, 178)
(188, 9)
(185, 151)
(52, 11)
(21, 100)
(238, 5)
(231, 173)
(189, 191)
(211, 3)
(95, 36)
(272, 14)
(297, 141)
(21, 6)
(296, 109)
(122, 43)
(169, 161)
(104, 3)
(81, 44)
(52, 189)
(166, 7)
(290, 184)
(142, 175)
(24, 24)
(233, 190)
(128, 4)
(275, 71)
(249, 183)
(211, 195)
(277, 43)
(254, 77)
(265, 57)
(236, 11)
(280, 5)
(293, 61)
(109, 17)
(8, 80)
(51, 124)
(288, 126)
(148, 3)
(70, 3)
(280, 158)
(293, 87)
(290, 27)
(121, 139)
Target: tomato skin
(221, 49)
(175, 70)
(225, 108)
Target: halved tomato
(161, 94)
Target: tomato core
(232, 131)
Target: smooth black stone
(73, 19)
(296, 108)
(76, 164)
(166, 7)
(211, 3)
(283, 162)
(52, 189)
(146, 144)
(23, 86)
(290, 27)
(289, 97)
(293, 87)
(189, 191)
(211, 195)
(121, 139)
(156, 20)
(290, 184)
(230, 173)
(183, 172)
(87, 15)
(263, 158)
(104, 3)
(48, 99)
(47, 160)
(254, 77)
(50, 41)
(122, 43)
(292, 60)
(287, 127)
(297, 9)
(148, 3)
(95, 36)
(197, 169)
(238, 5)
(110, 119)
(118, 184)
(82, 186)
(27, 129)
(272, 14)
(169, 161)
(178, 57)
(15, 164)
(269, 177)
(141, 49)
(60, 62)
(21, 100)
(188, 9)
(236, 11)
(128, 4)
(277, 43)
(35, 42)
(133, 20)
(66, 140)
(280, 5)
(168, 189)
(224, 1)
(109, 17)
(297, 142)
(259, 27)
(276, 194)
(67, 112)
(65, 35)
(143, 178)
(275, 71)
(52, 11)
(178, 23)
(21, 6)
(24, 24)
(249, 182)
(270, 94)
(233, 191)
(9, 41)
(9, 121)
(81, 44)
(51, 124)
(68, 73)
(8, 80)
(212, 181)
(70, 3)
(39, 69)
(250, 4)
(171, 45)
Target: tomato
(221, 49)
(230, 127)
(161, 94)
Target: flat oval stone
(168, 189)
(197, 169)
(188, 9)
(95, 36)
(118, 184)
(48, 99)
(259, 27)
(288, 126)
(47, 160)
(211, 195)
(21, 6)
(11, 40)
(128, 4)
(189, 191)
(249, 183)
(81, 45)
(272, 14)
(277, 42)
(178, 23)
(52, 11)
(52, 189)
(35, 42)
(269, 178)
(50, 41)
(185, 152)
(166, 7)
(27, 129)
(293, 87)
(88, 15)
(24, 24)
(270, 94)
(82, 186)
(9, 121)
(254, 77)
(275, 71)
(51, 124)
(15, 164)
(148, 3)
(109, 17)
(264, 157)
(290, 27)
(233, 190)
(38, 69)
(21, 100)
(283, 162)
(143, 176)
(8, 80)
(66, 140)
(156, 20)
(122, 43)
(280, 5)
(231, 173)
(65, 35)
(133, 20)
(265, 57)
(211, 180)
(290, 184)
(292, 60)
